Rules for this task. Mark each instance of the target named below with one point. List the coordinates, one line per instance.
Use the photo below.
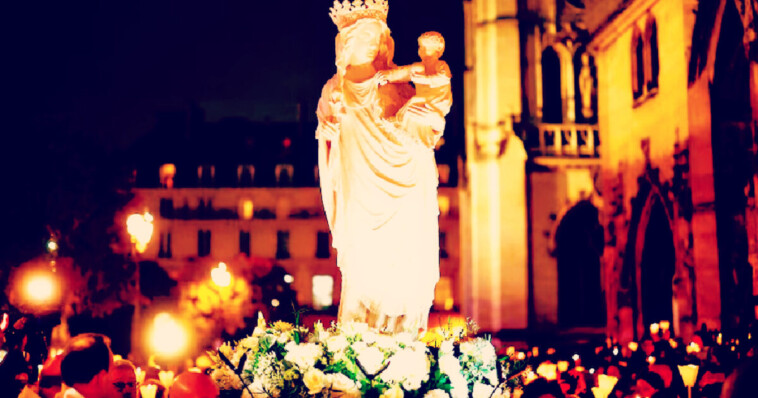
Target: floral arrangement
(282, 360)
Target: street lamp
(168, 337)
(140, 228)
(220, 276)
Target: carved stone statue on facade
(378, 175)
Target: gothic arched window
(638, 65)
(552, 102)
(651, 61)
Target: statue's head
(431, 44)
(363, 34)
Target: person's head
(86, 362)
(50, 377)
(431, 45)
(123, 377)
(193, 385)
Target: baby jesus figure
(431, 77)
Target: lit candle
(665, 325)
(166, 377)
(651, 359)
(692, 348)
(535, 351)
(140, 375)
(654, 328)
(718, 339)
(673, 343)
(148, 391)
(633, 346)
(563, 366)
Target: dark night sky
(104, 68)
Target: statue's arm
(329, 107)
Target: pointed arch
(552, 101)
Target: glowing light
(220, 276)
(140, 375)
(323, 288)
(654, 328)
(4, 323)
(665, 325)
(289, 278)
(673, 343)
(651, 360)
(40, 288)
(719, 339)
(274, 303)
(168, 337)
(692, 348)
(563, 366)
(449, 303)
(444, 203)
(535, 351)
(633, 346)
(167, 173)
(52, 246)
(615, 350)
(689, 374)
(247, 209)
(592, 370)
(575, 357)
(547, 370)
(520, 356)
(140, 228)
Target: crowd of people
(87, 368)
(726, 367)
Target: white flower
(409, 367)
(446, 348)
(482, 390)
(393, 392)
(263, 389)
(336, 343)
(450, 366)
(225, 379)
(371, 359)
(404, 338)
(352, 329)
(385, 342)
(314, 380)
(343, 385)
(303, 355)
(436, 394)
(283, 338)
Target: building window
(246, 211)
(443, 245)
(638, 65)
(322, 245)
(443, 294)
(165, 245)
(652, 65)
(245, 175)
(323, 291)
(167, 173)
(552, 98)
(206, 175)
(203, 243)
(166, 208)
(245, 242)
(284, 174)
(282, 244)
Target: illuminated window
(282, 244)
(246, 209)
(167, 173)
(443, 294)
(322, 245)
(323, 290)
(245, 242)
(444, 203)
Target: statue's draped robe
(379, 187)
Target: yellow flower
(314, 380)
(283, 326)
(394, 392)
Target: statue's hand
(424, 114)
(382, 77)
(328, 130)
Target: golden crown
(345, 13)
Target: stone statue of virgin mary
(378, 177)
